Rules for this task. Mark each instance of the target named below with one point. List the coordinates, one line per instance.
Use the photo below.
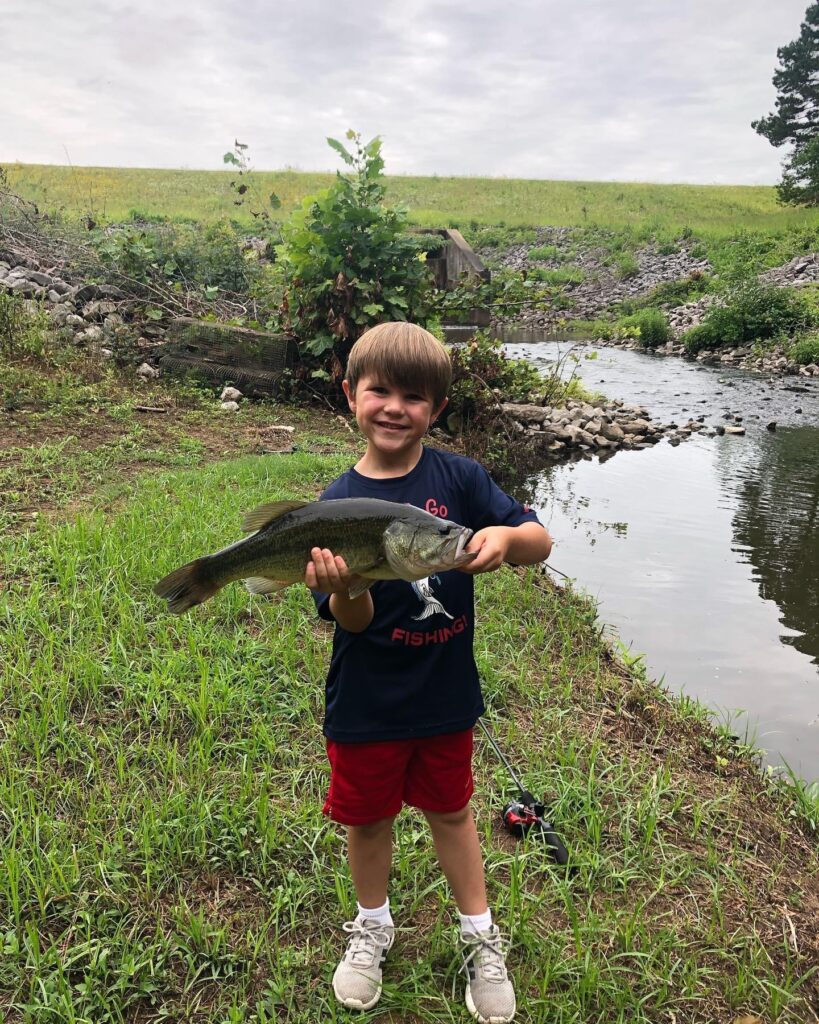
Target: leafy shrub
(479, 368)
(347, 262)
(186, 254)
(806, 350)
(508, 292)
(22, 333)
(752, 312)
(649, 326)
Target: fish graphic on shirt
(432, 606)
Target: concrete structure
(452, 260)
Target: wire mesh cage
(251, 360)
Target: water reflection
(776, 526)
(705, 556)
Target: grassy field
(163, 856)
(113, 193)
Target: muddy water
(705, 556)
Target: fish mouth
(463, 539)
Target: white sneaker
(490, 997)
(357, 979)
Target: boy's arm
(329, 574)
(525, 544)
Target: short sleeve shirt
(412, 672)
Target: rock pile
(601, 287)
(801, 270)
(598, 427)
(90, 314)
(744, 357)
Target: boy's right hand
(327, 573)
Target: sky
(601, 90)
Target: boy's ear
(349, 394)
(439, 410)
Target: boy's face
(393, 420)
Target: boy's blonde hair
(404, 355)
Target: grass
(465, 202)
(71, 433)
(162, 851)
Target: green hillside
(113, 193)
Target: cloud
(615, 90)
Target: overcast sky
(631, 90)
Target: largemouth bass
(378, 540)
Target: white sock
(380, 914)
(476, 923)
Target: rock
(526, 413)
(44, 279)
(772, 426)
(90, 334)
(96, 291)
(59, 314)
(230, 394)
(229, 406)
(719, 429)
(98, 309)
(612, 432)
(72, 320)
(635, 426)
(738, 431)
(147, 372)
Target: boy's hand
(525, 544)
(492, 547)
(327, 572)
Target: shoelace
(491, 964)
(365, 944)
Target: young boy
(403, 693)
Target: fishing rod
(526, 814)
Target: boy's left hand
(492, 547)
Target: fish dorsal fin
(265, 514)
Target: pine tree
(796, 119)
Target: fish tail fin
(432, 607)
(186, 586)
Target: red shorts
(371, 781)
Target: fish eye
(445, 529)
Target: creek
(704, 557)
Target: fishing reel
(520, 818)
(525, 817)
(526, 814)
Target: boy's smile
(392, 419)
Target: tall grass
(114, 193)
(162, 851)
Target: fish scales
(377, 539)
(282, 549)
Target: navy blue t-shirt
(412, 671)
